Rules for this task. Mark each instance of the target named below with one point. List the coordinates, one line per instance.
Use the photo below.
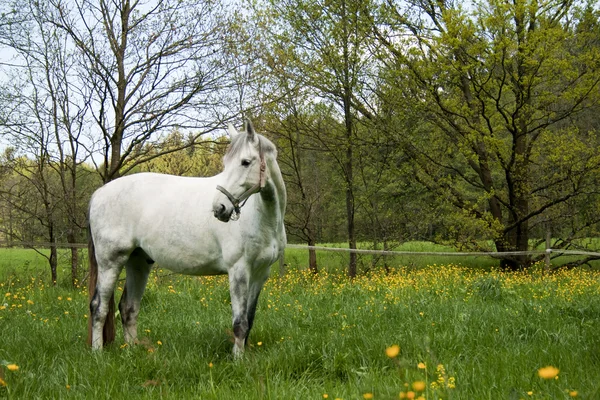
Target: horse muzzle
(222, 212)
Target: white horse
(191, 226)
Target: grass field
(462, 333)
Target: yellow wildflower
(392, 351)
(12, 367)
(421, 365)
(548, 372)
(368, 396)
(573, 393)
(418, 386)
(2, 382)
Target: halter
(239, 202)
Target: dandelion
(210, 365)
(548, 372)
(421, 365)
(29, 301)
(410, 395)
(12, 367)
(325, 396)
(368, 396)
(259, 343)
(392, 351)
(68, 387)
(159, 343)
(2, 383)
(418, 386)
(573, 393)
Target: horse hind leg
(137, 271)
(108, 273)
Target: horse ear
(232, 131)
(250, 130)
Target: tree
(148, 68)
(43, 114)
(324, 44)
(495, 87)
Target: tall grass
(463, 333)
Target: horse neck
(274, 194)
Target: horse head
(244, 173)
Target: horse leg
(108, 273)
(256, 286)
(137, 270)
(238, 289)
(244, 293)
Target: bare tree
(149, 67)
(43, 119)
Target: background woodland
(473, 124)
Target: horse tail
(108, 332)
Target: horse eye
(245, 163)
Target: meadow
(425, 330)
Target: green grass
(314, 336)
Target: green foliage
(499, 92)
(177, 155)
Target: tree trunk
(74, 259)
(350, 213)
(53, 260)
(312, 257)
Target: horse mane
(239, 143)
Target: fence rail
(497, 254)
(446, 253)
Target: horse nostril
(222, 208)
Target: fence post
(548, 250)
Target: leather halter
(239, 202)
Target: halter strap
(239, 202)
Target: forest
(473, 124)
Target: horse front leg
(238, 289)
(244, 290)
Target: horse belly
(189, 257)
(187, 265)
